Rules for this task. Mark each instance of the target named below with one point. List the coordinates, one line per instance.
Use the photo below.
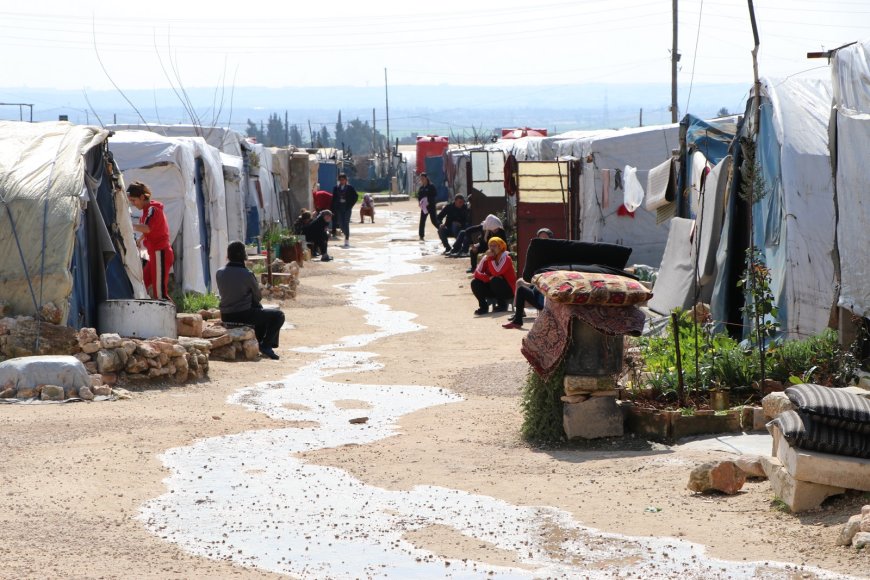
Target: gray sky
(50, 43)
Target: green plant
(193, 302)
(542, 407)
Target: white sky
(50, 43)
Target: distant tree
(255, 132)
(323, 139)
(339, 132)
(358, 137)
(295, 136)
(275, 134)
(723, 112)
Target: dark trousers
(341, 219)
(319, 241)
(423, 216)
(526, 295)
(465, 237)
(497, 288)
(451, 230)
(267, 323)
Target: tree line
(356, 138)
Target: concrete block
(798, 495)
(591, 419)
(579, 384)
(824, 468)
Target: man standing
(453, 219)
(344, 197)
(426, 196)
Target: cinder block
(591, 419)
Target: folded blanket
(545, 344)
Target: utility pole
(310, 133)
(387, 99)
(675, 58)
(640, 121)
(374, 134)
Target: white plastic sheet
(633, 189)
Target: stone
(96, 380)
(241, 334)
(759, 420)
(251, 349)
(798, 495)
(359, 420)
(177, 350)
(164, 347)
(162, 359)
(722, 476)
(865, 523)
(91, 367)
(161, 372)
(110, 379)
(51, 393)
(825, 468)
(227, 352)
(577, 398)
(774, 404)
(861, 540)
(91, 347)
(4, 309)
(181, 375)
(577, 384)
(188, 324)
(136, 364)
(86, 394)
(83, 357)
(129, 346)
(593, 418)
(147, 350)
(213, 331)
(200, 344)
(107, 361)
(848, 531)
(209, 314)
(28, 392)
(220, 341)
(53, 339)
(70, 392)
(51, 313)
(603, 393)
(122, 394)
(7, 325)
(750, 465)
(102, 391)
(86, 335)
(110, 340)
(122, 356)
(8, 392)
(865, 510)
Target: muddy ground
(73, 477)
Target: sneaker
(500, 308)
(462, 255)
(446, 252)
(268, 352)
(325, 258)
(512, 324)
(346, 244)
(481, 311)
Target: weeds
(193, 302)
(542, 407)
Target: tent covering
(851, 126)
(56, 241)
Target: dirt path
(75, 478)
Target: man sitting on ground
(317, 234)
(454, 218)
(240, 300)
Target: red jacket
(158, 238)
(488, 269)
(322, 200)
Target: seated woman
(240, 300)
(367, 208)
(494, 277)
(526, 293)
(492, 227)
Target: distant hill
(413, 108)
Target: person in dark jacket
(240, 300)
(453, 218)
(526, 293)
(317, 234)
(344, 196)
(426, 196)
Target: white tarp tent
(47, 196)
(234, 168)
(794, 223)
(850, 126)
(168, 166)
(604, 153)
(224, 140)
(265, 199)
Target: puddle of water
(249, 498)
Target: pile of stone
(285, 280)
(116, 358)
(227, 344)
(856, 532)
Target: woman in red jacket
(155, 236)
(494, 277)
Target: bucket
(137, 318)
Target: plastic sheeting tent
(850, 126)
(168, 166)
(65, 234)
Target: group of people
(494, 276)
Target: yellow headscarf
(500, 242)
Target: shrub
(542, 407)
(193, 302)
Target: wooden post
(681, 387)
(675, 58)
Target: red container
(429, 146)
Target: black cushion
(546, 252)
(805, 432)
(832, 406)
